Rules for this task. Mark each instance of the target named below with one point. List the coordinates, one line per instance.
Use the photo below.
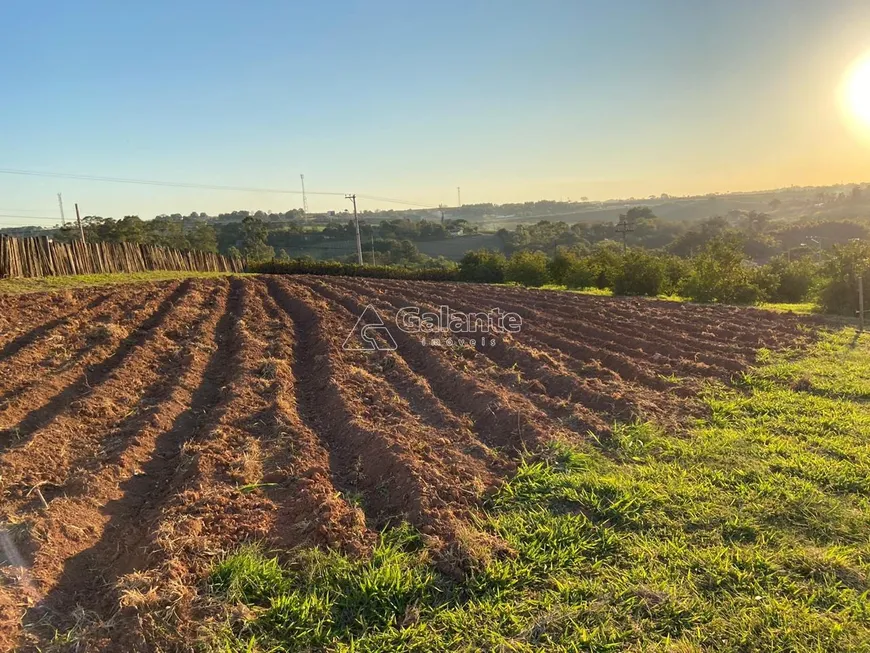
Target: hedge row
(335, 268)
(719, 273)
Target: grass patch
(748, 533)
(800, 308)
(43, 284)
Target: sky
(512, 100)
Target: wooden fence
(41, 257)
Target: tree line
(719, 272)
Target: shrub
(839, 294)
(721, 274)
(483, 266)
(676, 270)
(335, 268)
(791, 281)
(582, 274)
(561, 265)
(641, 273)
(528, 269)
(606, 262)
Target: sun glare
(856, 92)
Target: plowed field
(145, 429)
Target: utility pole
(304, 196)
(79, 220)
(624, 227)
(356, 222)
(60, 204)
(861, 301)
(818, 248)
(373, 245)
(458, 197)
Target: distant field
(455, 248)
(450, 248)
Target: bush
(839, 294)
(561, 265)
(483, 266)
(582, 274)
(791, 281)
(606, 263)
(528, 269)
(721, 274)
(676, 270)
(641, 273)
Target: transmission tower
(60, 204)
(304, 196)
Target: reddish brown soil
(144, 430)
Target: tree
(254, 233)
(131, 229)
(528, 269)
(847, 263)
(563, 261)
(720, 273)
(203, 237)
(483, 266)
(637, 213)
(641, 273)
(791, 279)
(166, 231)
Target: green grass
(748, 533)
(42, 284)
(801, 308)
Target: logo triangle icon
(371, 333)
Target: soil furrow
(101, 365)
(74, 519)
(39, 319)
(551, 373)
(538, 376)
(63, 350)
(415, 390)
(669, 358)
(159, 460)
(501, 419)
(224, 411)
(669, 333)
(374, 439)
(60, 457)
(624, 366)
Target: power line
(178, 184)
(418, 205)
(151, 182)
(30, 217)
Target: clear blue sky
(513, 100)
